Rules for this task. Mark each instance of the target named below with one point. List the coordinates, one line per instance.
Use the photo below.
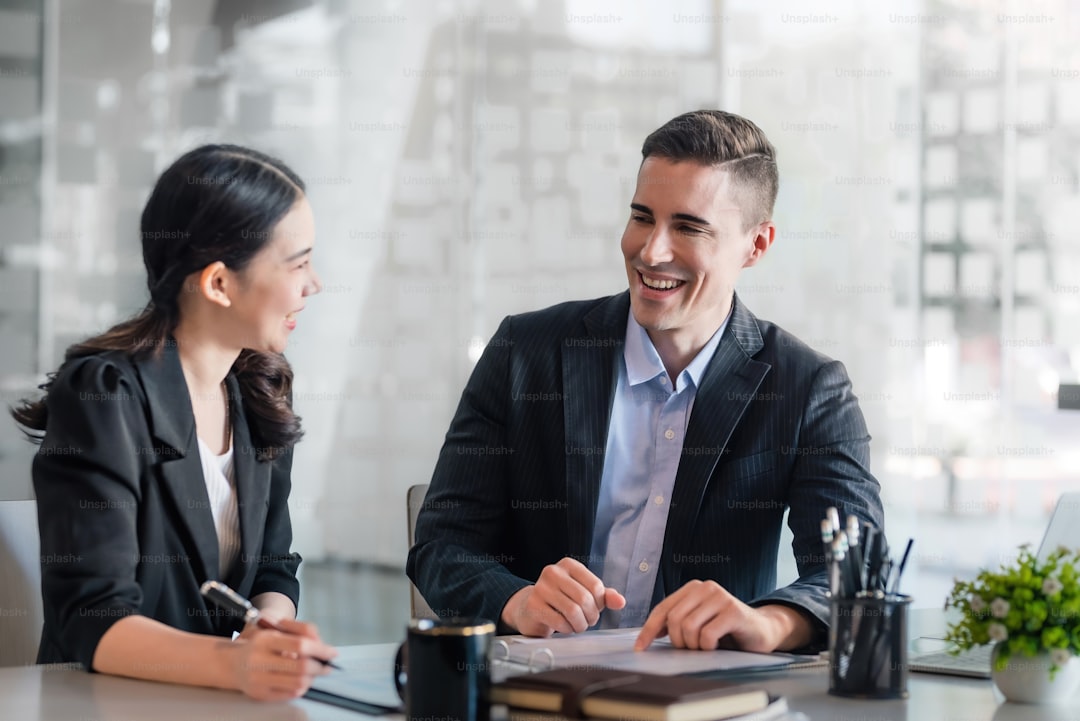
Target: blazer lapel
(588, 362)
(252, 486)
(727, 387)
(172, 425)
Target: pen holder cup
(442, 670)
(868, 647)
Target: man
(629, 459)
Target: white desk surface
(37, 693)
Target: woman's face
(270, 291)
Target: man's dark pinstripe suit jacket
(775, 425)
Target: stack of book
(631, 696)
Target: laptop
(1063, 530)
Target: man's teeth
(291, 316)
(660, 284)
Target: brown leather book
(613, 694)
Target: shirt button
(643, 566)
(659, 500)
(663, 380)
(669, 434)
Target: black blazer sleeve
(277, 565)
(459, 559)
(831, 467)
(86, 478)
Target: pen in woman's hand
(230, 600)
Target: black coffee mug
(442, 669)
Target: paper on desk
(365, 680)
(614, 648)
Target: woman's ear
(215, 284)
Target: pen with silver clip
(826, 542)
(230, 600)
(834, 518)
(855, 555)
(837, 582)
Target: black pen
(900, 569)
(877, 553)
(230, 600)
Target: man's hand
(704, 615)
(566, 598)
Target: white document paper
(365, 679)
(614, 648)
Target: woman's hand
(278, 665)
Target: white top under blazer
(221, 489)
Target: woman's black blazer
(123, 511)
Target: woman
(166, 444)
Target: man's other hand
(704, 615)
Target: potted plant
(1031, 610)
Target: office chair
(414, 500)
(20, 583)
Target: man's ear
(764, 235)
(215, 283)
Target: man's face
(685, 246)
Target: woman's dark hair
(215, 203)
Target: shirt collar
(643, 362)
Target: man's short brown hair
(727, 141)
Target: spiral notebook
(614, 648)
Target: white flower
(999, 608)
(1060, 656)
(1051, 586)
(997, 632)
(977, 604)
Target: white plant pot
(1027, 680)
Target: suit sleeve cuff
(279, 577)
(815, 614)
(86, 634)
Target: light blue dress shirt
(644, 445)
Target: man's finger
(614, 599)
(713, 604)
(682, 636)
(587, 580)
(712, 632)
(571, 602)
(655, 627)
(543, 611)
(574, 604)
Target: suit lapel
(727, 387)
(172, 425)
(588, 362)
(252, 485)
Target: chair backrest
(20, 583)
(414, 501)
